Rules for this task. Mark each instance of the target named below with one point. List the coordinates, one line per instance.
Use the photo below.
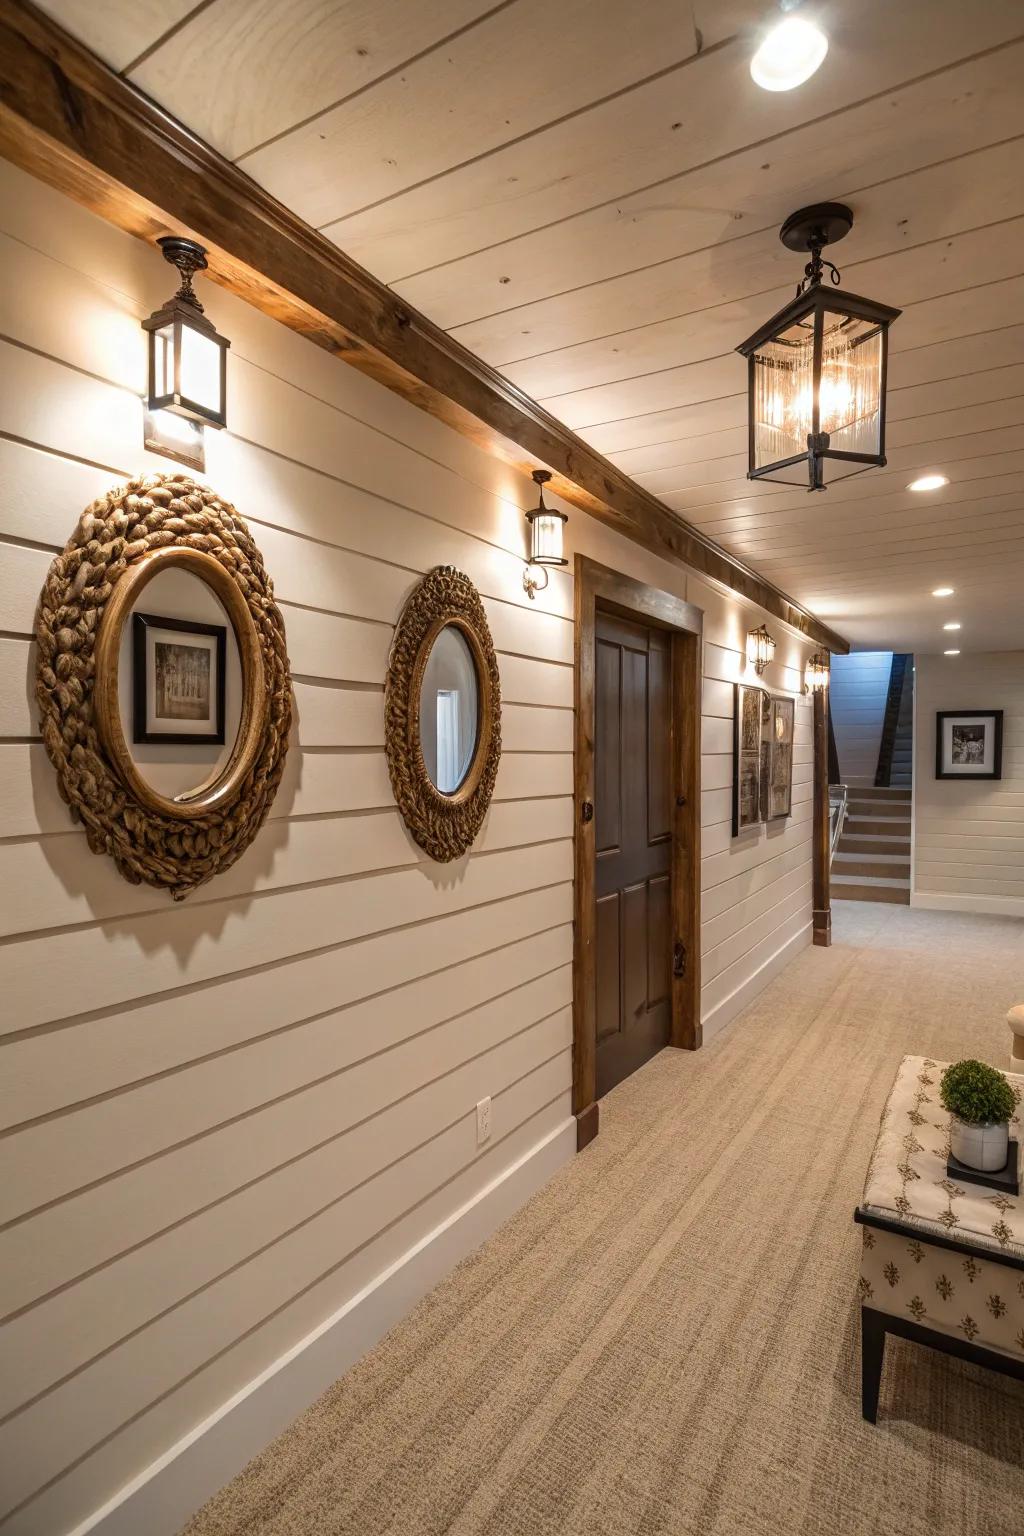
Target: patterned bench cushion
(971, 1298)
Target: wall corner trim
(984, 906)
(166, 1493)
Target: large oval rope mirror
(442, 707)
(200, 680)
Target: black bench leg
(872, 1352)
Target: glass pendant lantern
(816, 370)
(187, 355)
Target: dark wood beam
(71, 121)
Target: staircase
(872, 858)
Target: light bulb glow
(951, 653)
(789, 55)
(928, 483)
(942, 592)
(849, 395)
(951, 626)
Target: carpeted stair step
(860, 846)
(881, 826)
(893, 808)
(871, 888)
(879, 792)
(885, 866)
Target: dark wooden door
(633, 827)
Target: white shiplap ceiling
(588, 194)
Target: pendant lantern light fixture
(546, 527)
(187, 355)
(816, 370)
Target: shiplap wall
(969, 837)
(223, 1120)
(858, 690)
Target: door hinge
(679, 959)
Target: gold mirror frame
(121, 543)
(228, 782)
(444, 825)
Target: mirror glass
(449, 710)
(180, 684)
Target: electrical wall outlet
(483, 1121)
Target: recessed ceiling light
(951, 653)
(951, 626)
(928, 483)
(789, 55)
(942, 592)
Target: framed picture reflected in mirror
(178, 679)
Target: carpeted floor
(664, 1339)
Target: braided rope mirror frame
(444, 825)
(122, 541)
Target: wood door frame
(597, 586)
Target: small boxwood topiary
(976, 1093)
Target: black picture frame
(748, 747)
(991, 719)
(779, 777)
(142, 623)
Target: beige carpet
(664, 1340)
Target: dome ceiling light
(789, 55)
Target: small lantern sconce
(546, 528)
(818, 672)
(187, 356)
(760, 648)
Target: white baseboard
(163, 1497)
(993, 906)
(725, 1011)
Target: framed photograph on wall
(178, 678)
(750, 708)
(969, 744)
(780, 759)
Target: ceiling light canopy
(816, 370)
(789, 55)
(928, 483)
(942, 592)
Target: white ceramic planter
(984, 1147)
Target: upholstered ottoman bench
(943, 1259)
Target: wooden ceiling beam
(71, 121)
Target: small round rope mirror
(443, 749)
(122, 542)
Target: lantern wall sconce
(816, 371)
(546, 529)
(760, 648)
(187, 355)
(818, 672)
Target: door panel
(633, 814)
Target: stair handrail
(838, 798)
